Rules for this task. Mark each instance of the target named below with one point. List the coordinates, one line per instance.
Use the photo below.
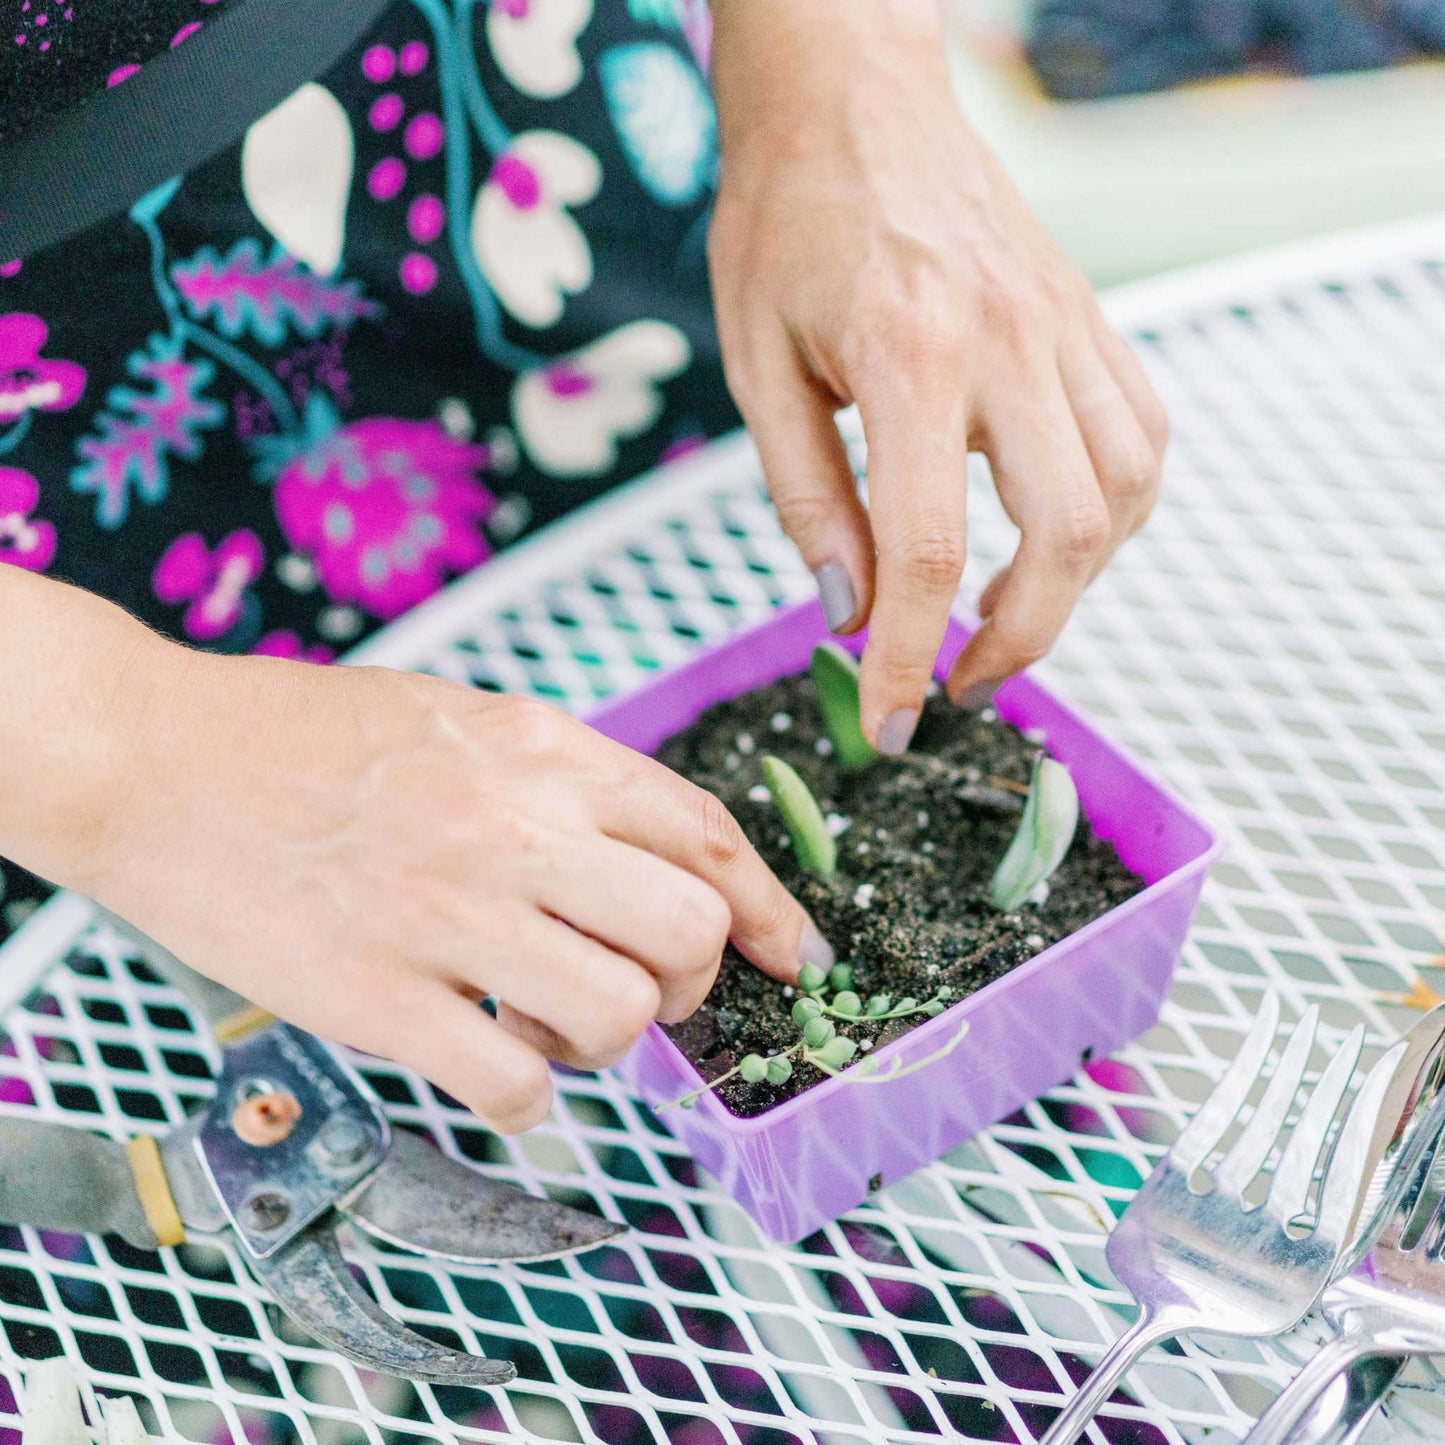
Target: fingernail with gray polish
(835, 591)
(978, 696)
(897, 732)
(814, 948)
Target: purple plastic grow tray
(818, 1154)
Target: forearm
(775, 61)
(817, 22)
(76, 685)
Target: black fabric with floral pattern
(445, 293)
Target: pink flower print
(387, 508)
(24, 541)
(214, 583)
(28, 381)
(684, 446)
(285, 643)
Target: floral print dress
(443, 294)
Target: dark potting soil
(908, 906)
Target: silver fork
(1210, 1260)
(1391, 1307)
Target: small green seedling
(824, 997)
(1051, 814)
(835, 676)
(812, 842)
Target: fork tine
(1423, 1222)
(1290, 1189)
(1219, 1110)
(1433, 1235)
(1247, 1154)
(1341, 1194)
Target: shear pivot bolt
(344, 1141)
(266, 1211)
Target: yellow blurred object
(154, 1190)
(1421, 996)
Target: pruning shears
(291, 1144)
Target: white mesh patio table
(1273, 646)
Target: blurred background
(1149, 134)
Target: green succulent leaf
(812, 842)
(780, 1069)
(880, 1003)
(805, 1009)
(811, 978)
(848, 1004)
(840, 977)
(836, 1053)
(835, 675)
(817, 1032)
(753, 1068)
(1051, 814)
(933, 1008)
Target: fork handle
(1367, 1382)
(1118, 1360)
(1291, 1419)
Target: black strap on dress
(65, 167)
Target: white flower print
(535, 43)
(296, 168)
(571, 413)
(531, 251)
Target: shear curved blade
(311, 1282)
(421, 1200)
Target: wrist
(81, 675)
(813, 21)
(798, 70)
(136, 764)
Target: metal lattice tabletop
(1274, 645)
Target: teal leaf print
(665, 119)
(655, 12)
(150, 205)
(247, 292)
(139, 430)
(319, 422)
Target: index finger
(917, 502)
(1047, 484)
(654, 808)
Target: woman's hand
(368, 853)
(867, 248)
